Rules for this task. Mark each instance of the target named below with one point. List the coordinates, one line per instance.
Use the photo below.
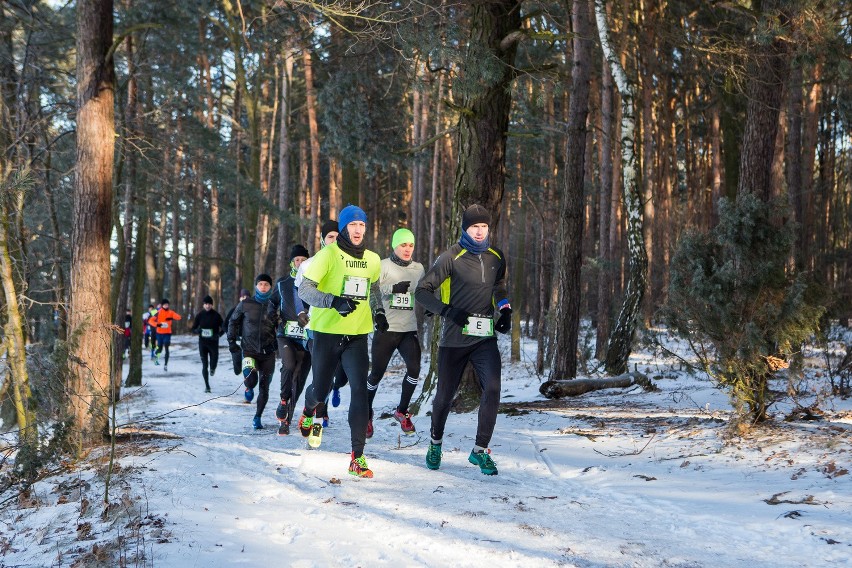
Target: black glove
(401, 287)
(381, 322)
(303, 319)
(237, 360)
(504, 324)
(344, 306)
(459, 317)
(234, 348)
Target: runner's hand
(233, 347)
(381, 322)
(303, 319)
(344, 306)
(458, 317)
(504, 324)
(401, 287)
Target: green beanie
(402, 236)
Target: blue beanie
(348, 214)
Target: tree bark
(90, 320)
(768, 73)
(313, 130)
(621, 338)
(570, 223)
(576, 387)
(284, 146)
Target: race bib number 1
(479, 327)
(293, 330)
(355, 287)
(206, 333)
(402, 301)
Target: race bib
(293, 330)
(479, 326)
(403, 301)
(248, 363)
(355, 287)
(164, 325)
(206, 333)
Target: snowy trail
(620, 479)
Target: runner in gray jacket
(471, 278)
(398, 279)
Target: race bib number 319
(402, 301)
(479, 327)
(355, 287)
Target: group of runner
(319, 316)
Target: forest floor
(612, 478)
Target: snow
(612, 478)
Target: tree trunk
(313, 130)
(768, 73)
(283, 236)
(484, 119)
(604, 306)
(14, 340)
(576, 387)
(570, 227)
(621, 338)
(90, 269)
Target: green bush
(733, 288)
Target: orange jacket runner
(164, 319)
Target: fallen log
(576, 387)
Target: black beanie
(244, 293)
(263, 278)
(207, 300)
(298, 250)
(164, 301)
(475, 214)
(328, 227)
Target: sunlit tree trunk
(313, 131)
(90, 269)
(284, 145)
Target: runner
(209, 326)
(256, 328)
(151, 330)
(471, 278)
(128, 324)
(164, 319)
(399, 276)
(342, 285)
(236, 358)
(295, 358)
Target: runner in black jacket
(209, 326)
(471, 276)
(256, 327)
(295, 358)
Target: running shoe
(359, 468)
(283, 427)
(484, 461)
(249, 394)
(433, 456)
(256, 423)
(306, 424)
(335, 398)
(404, 421)
(281, 411)
(315, 437)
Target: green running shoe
(359, 468)
(306, 424)
(433, 456)
(484, 461)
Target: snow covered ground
(613, 478)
